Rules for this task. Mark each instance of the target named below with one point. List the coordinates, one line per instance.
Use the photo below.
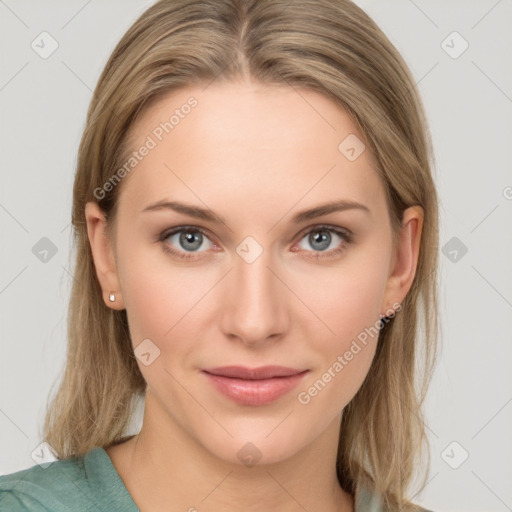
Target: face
(248, 281)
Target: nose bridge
(256, 307)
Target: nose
(254, 303)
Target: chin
(253, 446)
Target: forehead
(269, 145)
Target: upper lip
(262, 372)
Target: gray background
(468, 98)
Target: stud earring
(112, 297)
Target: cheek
(157, 300)
(345, 357)
(347, 298)
(152, 290)
(165, 302)
(348, 301)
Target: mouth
(254, 386)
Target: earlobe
(103, 256)
(405, 259)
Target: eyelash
(344, 234)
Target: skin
(255, 155)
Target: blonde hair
(328, 46)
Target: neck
(165, 468)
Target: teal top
(91, 483)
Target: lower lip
(255, 392)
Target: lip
(254, 386)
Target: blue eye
(185, 242)
(321, 238)
(188, 239)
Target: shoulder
(60, 486)
(38, 488)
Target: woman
(256, 234)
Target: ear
(405, 258)
(103, 255)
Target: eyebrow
(209, 215)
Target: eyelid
(181, 255)
(185, 227)
(345, 234)
(326, 227)
(177, 229)
(342, 232)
